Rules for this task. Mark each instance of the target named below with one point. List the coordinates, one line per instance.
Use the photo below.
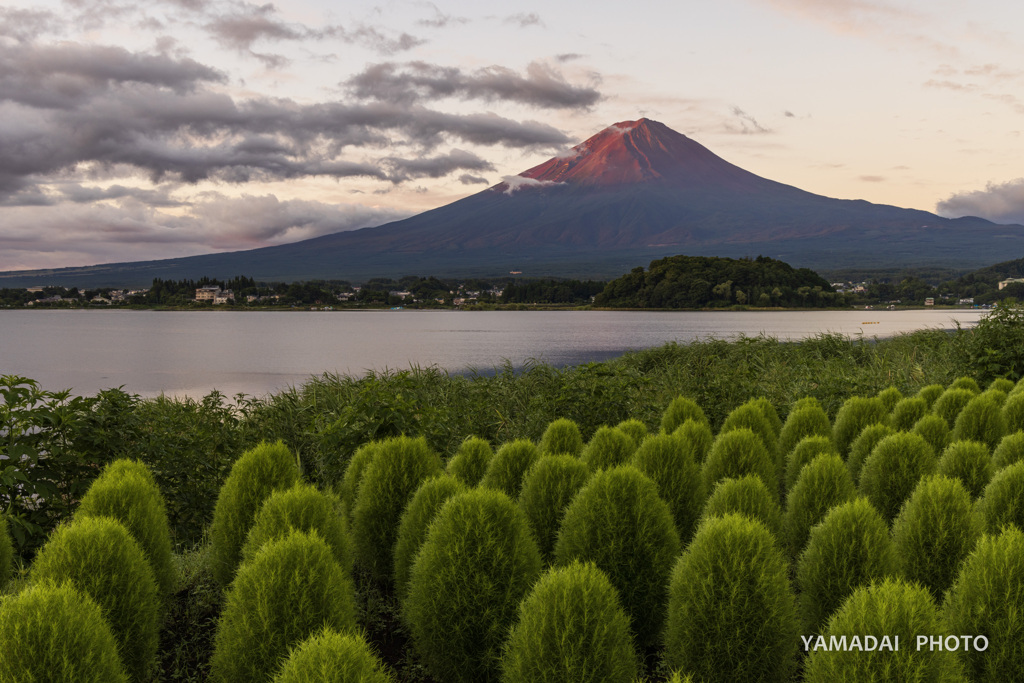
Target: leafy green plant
(390, 481)
(695, 437)
(332, 657)
(965, 382)
(890, 474)
(549, 486)
(290, 590)
(6, 553)
(890, 396)
(751, 416)
(985, 600)
(1009, 451)
(823, 484)
(934, 430)
(735, 454)
(56, 633)
(745, 496)
(571, 627)
(951, 402)
(969, 462)
(127, 492)
(1001, 384)
(856, 413)
(769, 412)
(930, 393)
(850, 548)
(562, 436)
(679, 411)
(100, 558)
(996, 344)
(618, 522)
(731, 613)
(670, 464)
(469, 464)
(634, 429)
(357, 464)
(477, 563)
(803, 453)
(608, 447)
(907, 412)
(809, 420)
(934, 532)
(418, 514)
(980, 420)
(1013, 413)
(889, 608)
(1002, 502)
(509, 465)
(864, 444)
(255, 475)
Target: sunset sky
(144, 130)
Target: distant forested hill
(713, 282)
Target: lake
(185, 353)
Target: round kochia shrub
(56, 633)
(969, 462)
(390, 481)
(930, 393)
(907, 412)
(618, 522)
(634, 429)
(6, 553)
(305, 508)
(850, 548)
(679, 411)
(980, 420)
(696, 438)
(100, 558)
(803, 453)
(127, 492)
(890, 396)
(1009, 451)
(668, 462)
(823, 484)
(934, 430)
(562, 436)
(291, 589)
(751, 416)
(891, 472)
(769, 412)
(509, 465)
(951, 402)
(549, 487)
(746, 496)
(469, 464)
(609, 447)
(986, 600)
(477, 563)
(418, 514)
(810, 420)
(890, 608)
(934, 532)
(571, 628)
(968, 383)
(332, 657)
(357, 464)
(1013, 413)
(1002, 502)
(1001, 384)
(731, 614)
(254, 476)
(853, 416)
(736, 454)
(863, 445)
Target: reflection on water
(191, 353)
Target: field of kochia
(873, 537)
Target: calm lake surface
(191, 353)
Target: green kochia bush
(810, 420)
(1009, 451)
(549, 487)
(100, 558)
(850, 548)
(634, 429)
(1013, 413)
(562, 436)
(126, 491)
(804, 452)
(731, 614)
(890, 608)
(864, 444)
(986, 600)
(854, 415)
(571, 628)
(934, 532)
(890, 396)
(418, 514)
(332, 657)
(618, 522)
(671, 466)
(1002, 384)
(822, 485)
(609, 447)
(951, 402)
(768, 410)
(6, 553)
(907, 412)
(751, 416)
(968, 383)
(509, 465)
(980, 420)
(56, 633)
(290, 589)
(893, 469)
(357, 464)
(305, 508)
(695, 437)
(969, 462)
(930, 393)
(934, 430)
(254, 476)
(469, 464)
(1002, 502)
(745, 496)
(390, 481)
(477, 563)
(679, 411)
(735, 454)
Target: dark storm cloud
(998, 202)
(468, 179)
(434, 167)
(541, 86)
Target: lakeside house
(214, 294)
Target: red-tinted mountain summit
(636, 191)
